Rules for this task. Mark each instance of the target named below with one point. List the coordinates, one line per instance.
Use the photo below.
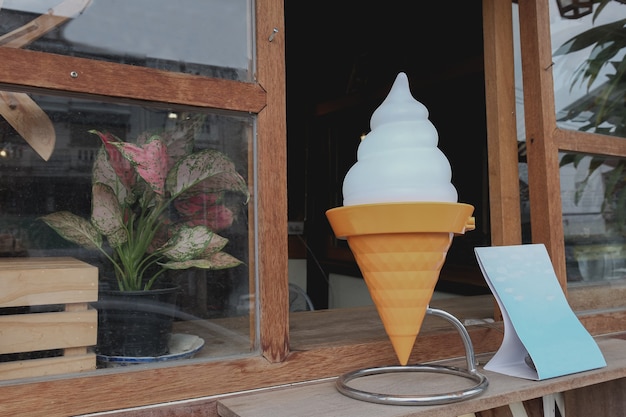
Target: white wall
(347, 291)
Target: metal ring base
(445, 398)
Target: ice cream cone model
(400, 213)
(400, 249)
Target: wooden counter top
(328, 328)
(322, 399)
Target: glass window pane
(592, 192)
(589, 64)
(521, 129)
(594, 212)
(211, 38)
(214, 305)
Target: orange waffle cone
(400, 249)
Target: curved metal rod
(470, 373)
(469, 349)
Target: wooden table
(592, 393)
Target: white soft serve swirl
(399, 161)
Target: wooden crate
(44, 311)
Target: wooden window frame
(31, 71)
(45, 73)
(544, 141)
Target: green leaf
(613, 179)
(74, 228)
(570, 158)
(621, 213)
(603, 34)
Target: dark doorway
(342, 58)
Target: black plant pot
(135, 323)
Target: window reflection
(203, 37)
(593, 197)
(213, 304)
(589, 92)
(589, 89)
(589, 70)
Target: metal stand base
(445, 398)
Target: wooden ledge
(322, 399)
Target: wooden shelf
(321, 398)
(356, 325)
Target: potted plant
(157, 205)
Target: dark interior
(341, 59)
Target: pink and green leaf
(211, 168)
(223, 181)
(131, 214)
(216, 244)
(187, 243)
(189, 205)
(149, 160)
(120, 165)
(215, 217)
(179, 145)
(106, 214)
(104, 173)
(219, 260)
(180, 140)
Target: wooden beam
(540, 121)
(504, 195)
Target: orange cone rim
(401, 218)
